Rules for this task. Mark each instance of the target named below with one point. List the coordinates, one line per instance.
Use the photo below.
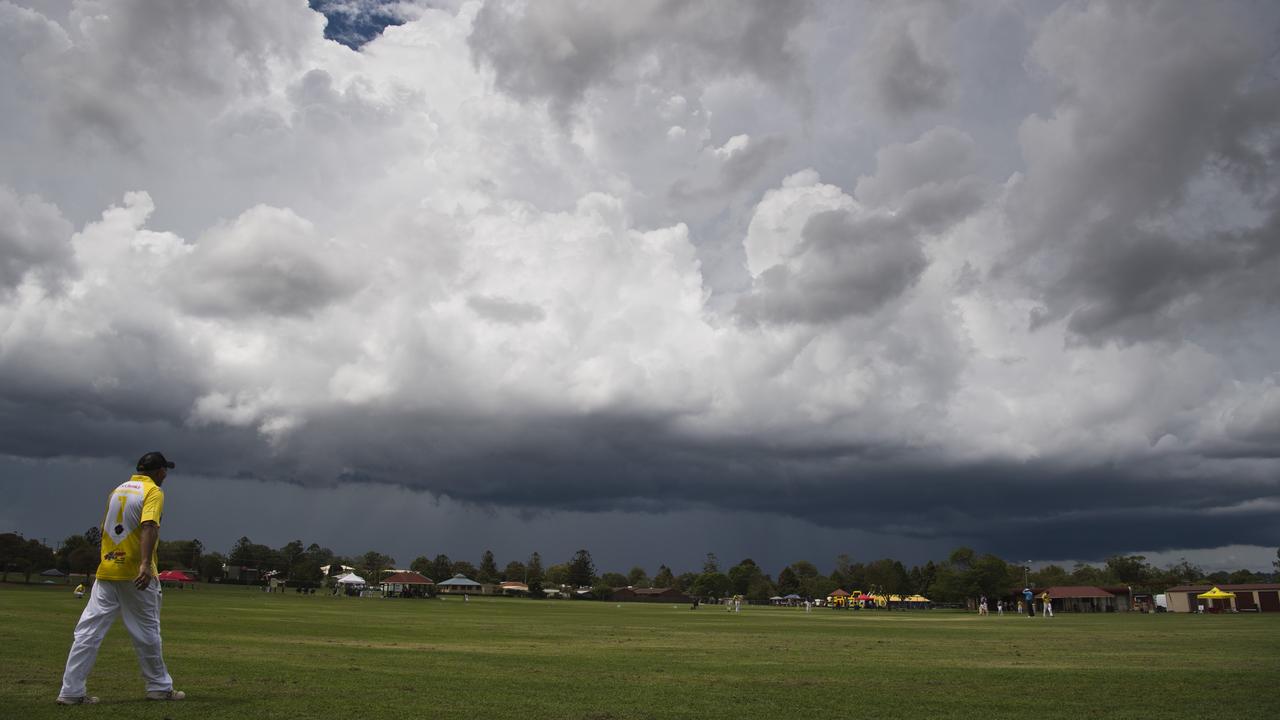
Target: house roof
(653, 591)
(1074, 591)
(459, 580)
(408, 578)
(1228, 587)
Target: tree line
(963, 575)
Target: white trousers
(141, 612)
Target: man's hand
(143, 581)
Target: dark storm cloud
(1136, 285)
(1161, 118)
(33, 238)
(736, 173)
(905, 81)
(845, 266)
(643, 465)
(558, 50)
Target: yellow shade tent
(917, 598)
(1216, 594)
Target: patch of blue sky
(355, 22)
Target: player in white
(126, 585)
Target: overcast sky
(778, 280)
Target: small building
(634, 594)
(241, 574)
(459, 585)
(407, 584)
(1249, 597)
(1084, 598)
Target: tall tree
(1049, 575)
(441, 568)
(246, 553)
(179, 554)
(69, 546)
(962, 558)
(742, 575)
(24, 555)
(422, 565)
(760, 590)
(711, 584)
(664, 578)
(242, 552)
(1129, 569)
(464, 568)
(533, 571)
(843, 569)
(889, 576)
(212, 566)
(992, 576)
(1086, 574)
(514, 572)
(488, 570)
(558, 574)
(711, 564)
(316, 558)
(372, 564)
(613, 580)
(638, 577)
(582, 572)
(292, 554)
(535, 567)
(788, 583)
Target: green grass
(243, 654)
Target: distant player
(79, 591)
(1048, 604)
(1028, 598)
(126, 585)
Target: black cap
(154, 461)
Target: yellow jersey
(134, 502)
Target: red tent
(175, 576)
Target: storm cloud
(795, 265)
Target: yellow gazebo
(1215, 593)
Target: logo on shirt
(114, 556)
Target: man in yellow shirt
(126, 585)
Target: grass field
(243, 654)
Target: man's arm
(149, 535)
